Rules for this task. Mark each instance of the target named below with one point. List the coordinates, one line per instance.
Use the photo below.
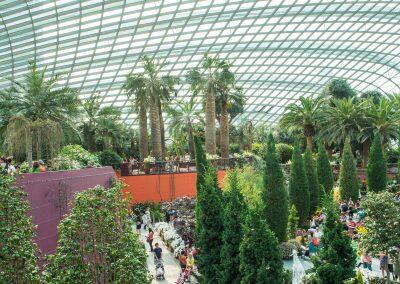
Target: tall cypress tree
(209, 222)
(337, 259)
(298, 186)
(293, 222)
(324, 168)
(260, 256)
(275, 195)
(348, 180)
(376, 174)
(234, 210)
(313, 185)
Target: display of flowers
(212, 156)
(149, 159)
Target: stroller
(184, 277)
(159, 268)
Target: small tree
(376, 174)
(293, 222)
(382, 222)
(348, 180)
(313, 185)
(324, 169)
(234, 209)
(96, 243)
(18, 251)
(298, 186)
(274, 195)
(260, 256)
(337, 259)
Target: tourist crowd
(8, 167)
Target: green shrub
(110, 158)
(313, 185)
(257, 148)
(234, 148)
(61, 163)
(376, 173)
(348, 179)
(324, 169)
(79, 154)
(293, 222)
(284, 151)
(392, 155)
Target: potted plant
(147, 164)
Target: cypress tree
(293, 222)
(209, 223)
(348, 180)
(313, 185)
(337, 258)
(376, 173)
(18, 250)
(324, 169)
(234, 209)
(275, 195)
(260, 256)
(298, 186)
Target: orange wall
(163, 187)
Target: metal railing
(188, 166)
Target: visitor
(138, 226)
(148, 217)
(42, 167)
(157, 252)
(182, 260)
(36, 167)
(144, 221)
(383, 263)
(150, 238)
(396, 264)
(10, 166)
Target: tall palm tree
(183, 117)
(96, 120)
(41, 106)
(303, 116)
(340, 120)
(207, 81)
(229, 99)
(135, 86)
(155, 87)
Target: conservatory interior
(200, 141)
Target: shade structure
(279, 49)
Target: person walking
(383, 263)
(157, 252)
(148, 218)
(182, 260)
(138, 226)
(150, 238)
(144, 221)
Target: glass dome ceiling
(280, 49)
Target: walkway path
(171, 264)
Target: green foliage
(298, 186)
(234, 209)
(284, 151)
(209, 223)
(274, 195)
(18, 251)
(376, 173)
(348, 179)
(96, 243)
(337, 259)
(324, 169)
(313, 185)
(293, 222)
(260, 256)
(156, 212)
(382, 221)
(110, 158)
(251, 184)
(338, 89)
(82, 156)
(62, 163)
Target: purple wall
(50, 193)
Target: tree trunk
(224, 131)
(329, 149)
(365, 152)
(309, 143)
(191, 141)
(162, 130)
(143, 143)
(155, 129)
(28, 138)
(91, 141)
(210, 123)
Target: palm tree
(183, 117)
(304, 117)
(340, 120)
(229, 101)
(155, 87)
(135, 86)
(208, 82)
(96, 120)
(40, 109)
